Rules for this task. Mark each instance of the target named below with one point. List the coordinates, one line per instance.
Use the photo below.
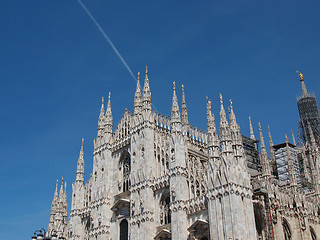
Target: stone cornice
(143, 217)
(230, 188)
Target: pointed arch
(313, 234)
(286, 230)
(165, 212)
(124, 230)
(199, 230)
(125, 170)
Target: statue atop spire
(272, 154)
(232, 116)
(109, 119)
(223, 118)
(293, 139)
(102, 108)
(237, 144)
(65, 190)
(101, 121)
(303, 86)
(184, 109)
(146, 93)
(138, 98)
(251, 130)
(270, 137)
(109, 103)
(213, 139)
(56, 191)
(264, 156)
(300, 75)
(221, 99)
(81, 150)
(175, 112)
(80, 165)
(225, 135)
(61, 189)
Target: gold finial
(259, 126)
(109, 96)
(102, 100)
(221, 100)
(138, 76)
(182, 87)
(230, 103)
(300, 75)
(82, 142)
(174, 86)
(146, 69)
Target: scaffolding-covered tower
(286, 158)
(309, 114)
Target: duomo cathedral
(158, 177)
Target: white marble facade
(158, 177)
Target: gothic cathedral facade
(158, 177)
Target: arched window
(286, 230)
(124, 233)
(125, 167)
(313, 234)
(165, 212)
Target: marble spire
(184, 111)
(264, 156)
(175, 112)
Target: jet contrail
(108, 39)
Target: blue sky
(56, 66)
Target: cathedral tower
(309, 113)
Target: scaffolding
(282, 158)
(252, 154)
(309, 118)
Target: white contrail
(108, 39)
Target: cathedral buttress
(142, 201)
(147, 104)
(184, 113)
(178, 182)
(230, 198)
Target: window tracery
(125, 168)
(196, 172)
(165, 212)
(162, 160)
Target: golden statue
(300, 75)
